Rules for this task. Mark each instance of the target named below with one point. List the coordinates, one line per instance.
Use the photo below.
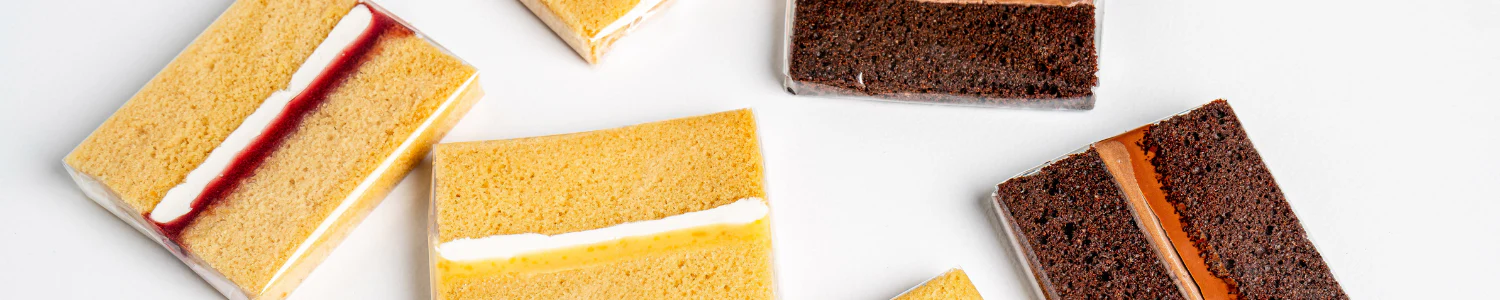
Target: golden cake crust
(263, 229)
(151, 143)
(580, 23)
(249, 234)
(953, 285)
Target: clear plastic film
(1040, 54)
(255, 206)
(667, 209)
(591, 29)
(1066, 246)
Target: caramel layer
(1132, 169)
(1117, 159)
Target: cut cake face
(952, 285)
(1011, 53)
(1180, 209)
(665, 210)
(256, 150)
(591, 27)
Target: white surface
(510, 245)
(1377, 118)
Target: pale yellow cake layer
(953, 285)
(249, 235)
(151, 143)
(732, 270)
(591, 180)
(580, 22)
(590, 16)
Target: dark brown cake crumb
(1077, 224)
(1232, 208)
(998, 54)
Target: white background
(1378, 118)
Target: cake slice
(591, 27)
(952, 285)
(664, 210)
(256, 150)
(1180, 209)
(1018, 53)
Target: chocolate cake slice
(1027, 53)
(1233, 210)
(1203, 218)
(1079, 234)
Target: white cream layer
(178, 200)
(740, 212)
(641, 10)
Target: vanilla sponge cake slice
(665, 210)
(591, 27)
(267, 139)
(951, 285)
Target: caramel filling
(583, 256)
(1131, 167)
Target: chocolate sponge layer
(1003, 53)
(1078, 224)
(1233, 210)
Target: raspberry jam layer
(242, 152)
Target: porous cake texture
(1233, 210)
(976, 52)
(952, 285)
(309, 184)
(1080, 234)
(591, 27)
(1190, 193)
(562, 185)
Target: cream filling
(640, 11)
(743, 211)
(178, 200)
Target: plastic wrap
(1172, 260)
(996, 53)
(649, 211)
(951, 285)
(592, 28)
(221, 201)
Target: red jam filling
(245, 162)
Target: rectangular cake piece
(591, 27)
(1017, 53)
(257, 149)
(951, 285)
(1182, 208)
(665, 210)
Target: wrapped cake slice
(1013, 53)
(666, 210)
(952, 285)
(257, 150)
(1180, 209)
(592, 27)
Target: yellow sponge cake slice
(591, 27)
(665, 210)
(952, 285)
(257, 149)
